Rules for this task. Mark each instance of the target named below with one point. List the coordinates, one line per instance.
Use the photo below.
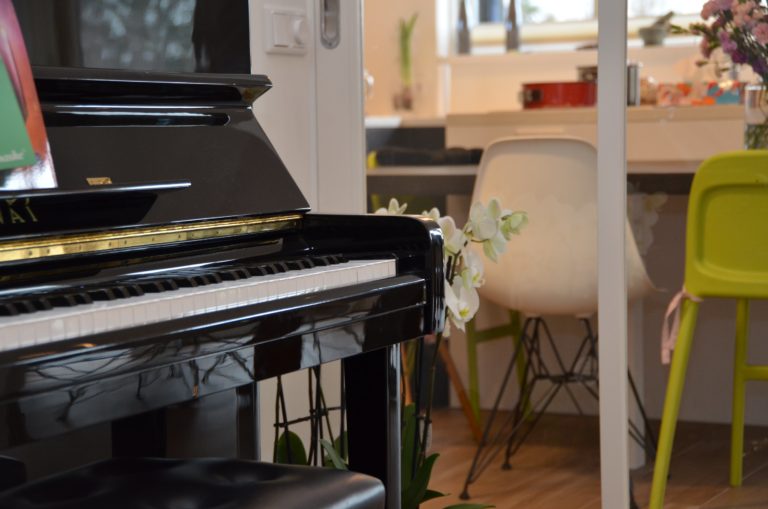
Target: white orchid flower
(433, 214)
(481, 223)
(394, 209)
(454, 238)
(492, 226)
(512, 223)
(462, 303)
(473, 273)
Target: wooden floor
(559, 468)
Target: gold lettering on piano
(29, 211)
(98, 181)
(14, 211)
(131, 238)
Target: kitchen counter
(658, 139)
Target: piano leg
(372, 383)
(248, 422)
(142, 435)
(223, 424)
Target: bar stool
(726, 255)
(149, 483)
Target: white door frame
(612, 285)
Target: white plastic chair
(551, 269)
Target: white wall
(313, 116)
(382, 50)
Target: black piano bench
(146, 483)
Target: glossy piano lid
(129, 128)
(129, 87)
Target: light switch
(286, 30)
(282, 32)
(300, 31)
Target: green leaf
(430, 494)
(469, 506)
(333, 455)
(408, 445)
(290, 442)
(415, 492)
(343, 452)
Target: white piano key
(102, 316)
(9, 337)
(123, 317)
(41, 332)
(86, 323)
(100, 320)
(139, 315)
(72, 325)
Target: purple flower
(760, 31)
(723, 5)
(742, 13)
(737, 57)
(709, 9)
(726, 43)
(759, 66)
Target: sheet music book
(25, 156)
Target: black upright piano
(177, 260)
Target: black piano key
(65, 300)
(102, 294)
(82, 298)
(185, 282)
(206, 279)
(169, 284)
(24, 306)
(120, 291)
(234, 274)
(326, 260)
(42, 304)
(295, 265)
(320, 261)
(151, 286)
(134, 290)
(8, 309)
(260, 270)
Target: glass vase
(755, 117)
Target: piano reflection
(177, 260)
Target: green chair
(726, 256)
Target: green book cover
(15, 147)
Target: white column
(612, 299)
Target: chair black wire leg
(650, 439)
(521, 413)
(512, 448)
(474, 470)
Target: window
(558, 21)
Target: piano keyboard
(79, 320)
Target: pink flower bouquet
(740, 28)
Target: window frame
(490, 35)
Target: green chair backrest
(727, 231)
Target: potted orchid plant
(491, 227)
(740, 29)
